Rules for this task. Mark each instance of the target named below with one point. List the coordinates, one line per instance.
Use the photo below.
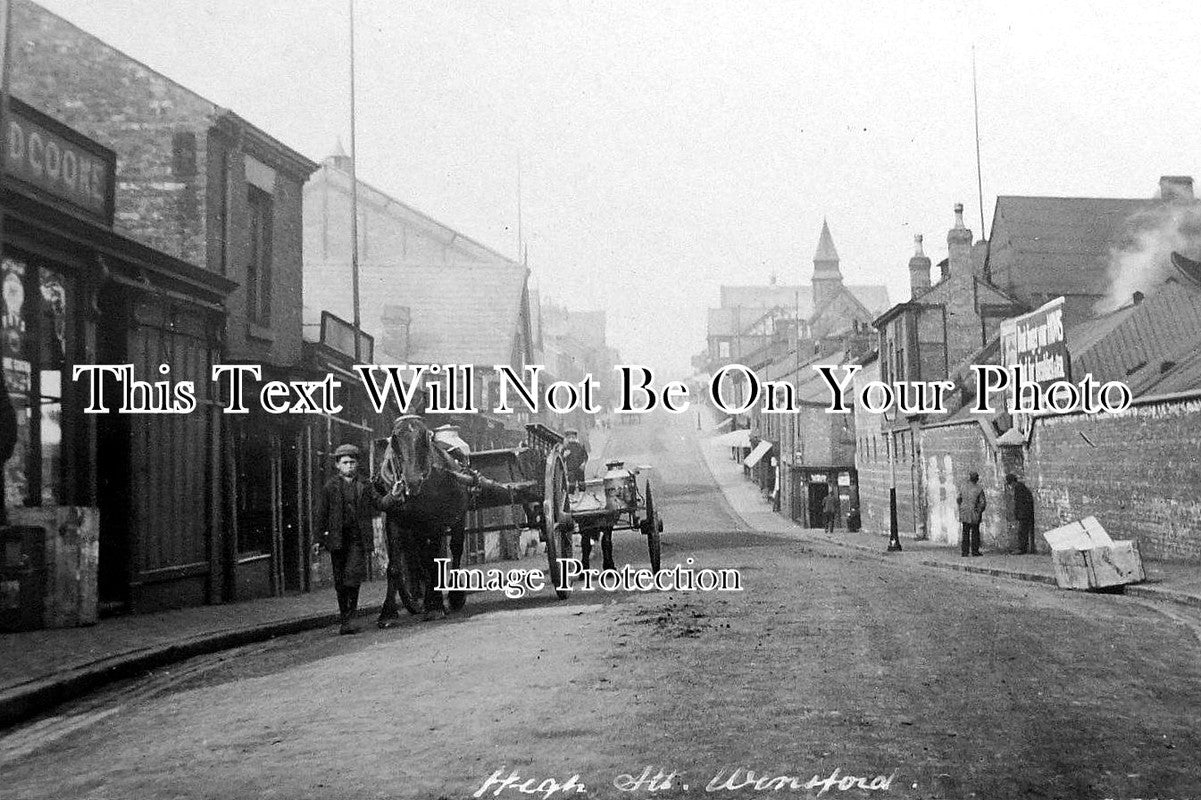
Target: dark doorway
(817, 500)
(113, 464)
(294, 563)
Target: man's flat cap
(346, 450)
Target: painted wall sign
(57, 162)
(1036, 343)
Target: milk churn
(619, 486)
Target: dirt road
(829, 675)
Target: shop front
(130, 496)
(810, 488)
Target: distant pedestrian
(1023, 513)
(971, 511)
(343, 525)
(575, 456)
(830, 510)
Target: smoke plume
(1142, 259)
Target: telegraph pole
(354, 208)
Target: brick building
(206, 506)
(1134, 470)
(428, 293)
(928, 338)
(813, 450)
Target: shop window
(35, 351)
(258, 270)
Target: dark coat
(328, 522)
(971, 503)
(575, 456)
(1023, 503)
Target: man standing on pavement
(1023, 513)
(576, 456)
(830, 509)
(971, 511)
(343, 524)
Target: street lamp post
(894, 539)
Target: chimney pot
(959, 246)
(919, 269)
(1176, 188)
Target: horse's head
(408, 460)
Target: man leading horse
(426, 492)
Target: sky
(665, 149)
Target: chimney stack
(959, 246)
(919, 269)
(1176, 188)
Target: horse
(426, 496)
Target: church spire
(825, 247)
(827, 278)
(338, 159)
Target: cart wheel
(652, 526)
(556, 522)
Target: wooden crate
(1086, 558)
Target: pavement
(1166, 581)
(41, 669)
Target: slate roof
(770, 296)
(1185, 376)
(1062, 243)
(1147, 344)
(874, 298)
(811, 387)
(722, 322)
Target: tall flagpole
(976, 109)
(354, 207)
(519, 231)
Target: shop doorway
(817, 500)
(114, 466)
(294, 563)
